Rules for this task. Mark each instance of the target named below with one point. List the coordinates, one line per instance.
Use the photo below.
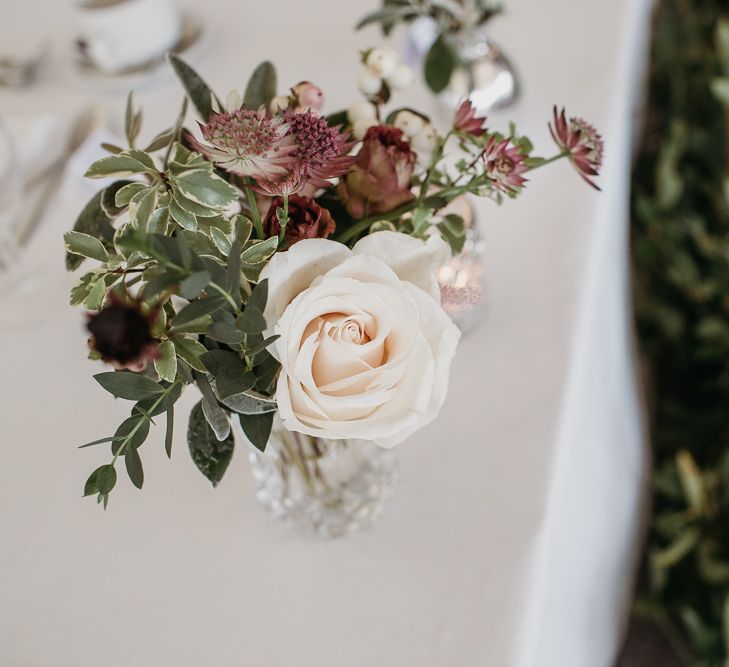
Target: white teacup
(119, 34)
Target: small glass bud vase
(324, 487)
(484, 74)
(462, 279)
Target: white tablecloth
(510, 540)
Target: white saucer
(79, 71)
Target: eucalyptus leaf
(210, 454)
(128, 385)
(214, 414)
(169, 432)
(251, 320)
(131, 434)
(195, 283)
(197, 309)
(262, 86)
(134, 467)
(439, 64)
(197, 90)
(105, 479)
(257, 428)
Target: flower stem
(143, 416)
(284, 219)
(554, 158)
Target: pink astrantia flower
(293, 182)
(248, 143)
(467, 121)
(322, 150)
(581, 142)
(504, 165)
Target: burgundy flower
(122, 334)
(380, 179)
(307, 220)
(291, 183)
(581, 142)
(504, 164)
(467, 121)
(322, 150)
(248, 143)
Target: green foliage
(681, 256)
(197, 90)
(439, 64)
(261, 88)
(210, 453)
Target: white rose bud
(401, 77)
(362, 109)
(382, 62)
(369, 83)
(410, 123)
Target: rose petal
(411, 259)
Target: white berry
(401, 77)
(369, 83)
(382, 62)
(361, 125)
(360, 110)
(409, 122)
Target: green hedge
(680, 242)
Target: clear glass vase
(485, 75)
(462, 279)
(324, 487)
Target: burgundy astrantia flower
(122, 334)
(321, 150)
(307, 220)
(504, 164)
(467, 121)
(582, 143)
(380, 179)
(294, 181)
(248, 143)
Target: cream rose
(365, 347)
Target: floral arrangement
(283, 261)
(450, 17)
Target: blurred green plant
(681, 256)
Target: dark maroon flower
(322, 150)
(581, 142)
(122, 334)
(307, 220)
(504, 164)
(380, 179)
(467, 121)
